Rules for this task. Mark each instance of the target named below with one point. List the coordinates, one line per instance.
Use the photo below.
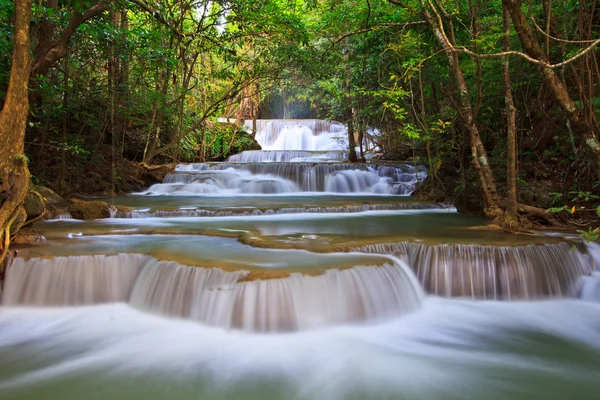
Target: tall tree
(532, 47)
(14, 172)
(511, 130)
(432, 13)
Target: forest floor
(571, 196)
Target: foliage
(146, 81)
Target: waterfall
(492, 272)
(191, 212)
(252, 156)
(309, 134)
(297, 156)
(214, 296)
(275, 177)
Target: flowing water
(290, 274)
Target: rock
(125, 187)
(87, 210)
(151, 174)
(49, 195)
(55, 211)
(28, 236)
(34, 206)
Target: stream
(289, 273)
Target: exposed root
(537, 212)
(5, 237)
(44, 209)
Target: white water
(214, 296)
(493, 272)
(363, 332)
(298, 156)
(450, 350)
(310, 135)
(288, 156)
(281, 178)
(193, 212)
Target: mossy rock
(88, 210)
(34, 206)
(49, 195)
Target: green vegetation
(115, 83)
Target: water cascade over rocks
(308, 135)
(492, 272)
(297, 156)
(172, 296)
(281, 178)
(214, 296)
(255, 156)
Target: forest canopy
(499, 99)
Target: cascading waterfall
(253, 156)
(297, 156)
(310, 134)
(269, 178)
(191, 212)
(110, 346)
(214, 296)
(492, 272)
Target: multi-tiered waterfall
(354, 280)
(297, 156)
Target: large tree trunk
(530, 44)
(478, 152)
(511, 130)
(14, 174)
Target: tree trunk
(58, 49)
(530, 44)
(511, 130)
(351, 142)
(62, 183)
(478, 152)
(14, 174)
(123, 81)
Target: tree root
(537, 212)
(5, 236)
(42, 214)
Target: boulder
(49, 195)
(28, 236)
(151, 174)
(87, 210)
(34, 205)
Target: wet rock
(87, 210)
(151, 174)
(28, 236)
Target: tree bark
(530, 44)
(14, 173)
(478, 152)
(511, 131)
(351, 142)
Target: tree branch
(58, 49)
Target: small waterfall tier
(277, 178)
(214, 296)
(241, 212)
(252, 156)
(493, 272)
(300, 134)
